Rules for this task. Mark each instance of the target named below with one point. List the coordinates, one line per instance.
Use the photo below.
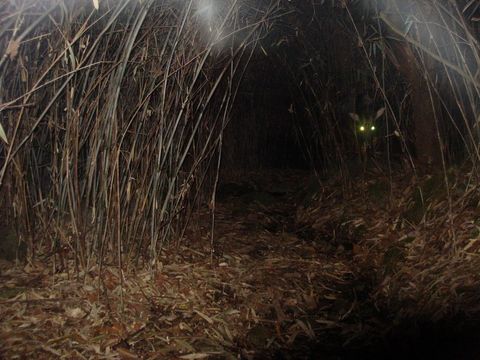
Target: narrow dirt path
(296, 290)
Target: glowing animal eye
(362, 128)
(372, 128)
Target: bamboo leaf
(194, 356)
(3, 136)
(205, 317)
(96, 4)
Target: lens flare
(206, 11)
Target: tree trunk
(424, 107)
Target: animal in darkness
(366, 130)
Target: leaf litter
(292, 269)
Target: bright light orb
(362, 128)
(206, 11)
(372, 128)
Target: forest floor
(302, 269)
